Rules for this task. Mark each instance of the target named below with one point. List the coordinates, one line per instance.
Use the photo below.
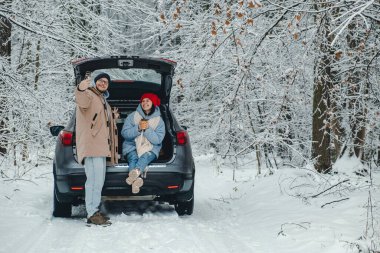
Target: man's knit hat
(103, 75)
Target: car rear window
(146, 75)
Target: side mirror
(54, 130)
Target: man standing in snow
(96, 138)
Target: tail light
(182, 137)
(169, 61)
(77, 188)
(66, 138)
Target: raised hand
(84, 84)
(115, 112)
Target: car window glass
(146, 75)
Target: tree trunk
(5, 51)
(38, 64)
(320, 129)
(357, 91)
(321, 125)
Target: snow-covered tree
(248, 72)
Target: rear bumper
(158, 184)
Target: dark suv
(170, 178)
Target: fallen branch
(333, 202)
(20, 179)
(291, 223)
(222, 200)
(316, 195)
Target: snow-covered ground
(266, 213)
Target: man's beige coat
(96, 132)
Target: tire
(60, 209)
(186, 207)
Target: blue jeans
(95, 168)
(134, 162)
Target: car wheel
(61, 209)
(184, 207)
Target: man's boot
(98, 219)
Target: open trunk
(126, 97)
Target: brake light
(79, 60)
(182, 137)
(123, 81)
(66, 138)
(168, 60)
(173, 186)
(77, 188)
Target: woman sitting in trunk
(143, 132)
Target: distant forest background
(267, 82)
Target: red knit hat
(153, 97)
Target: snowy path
(27, 225)
(242, 217)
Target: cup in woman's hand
(143, 124)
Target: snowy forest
(272, 83)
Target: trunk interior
(126, 99)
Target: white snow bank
(265, 213)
